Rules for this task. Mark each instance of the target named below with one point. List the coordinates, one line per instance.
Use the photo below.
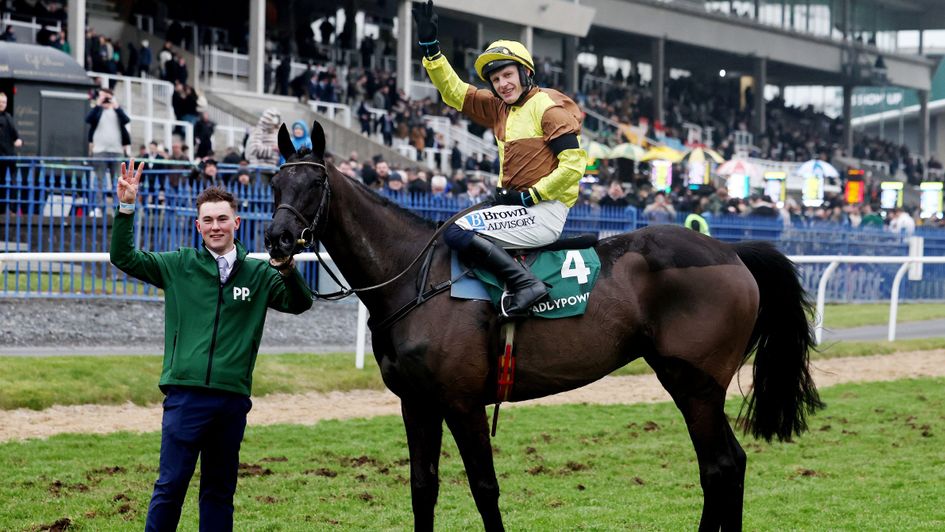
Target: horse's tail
(783, 393)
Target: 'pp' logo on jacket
(241, 293)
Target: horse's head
(300, 194)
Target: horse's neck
(370, 242)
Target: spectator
(8, 34)
(476, 191)
(364, 118)
(134, 58)
(206, 174)
(367, 51)
(262, 147)
(283, 72)
(901, 222)
(166, 62)
(384, 172)
(616, 197)
(9, 141)
(300, 138)
(386, 127)
(394, 184)
(659, 212)
(438, 186)
(205, 418)
(108, 135)
(243, 173)
(144, 59)
(869, 218)
(203, 136)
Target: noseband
(308, 240)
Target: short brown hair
(214, 194)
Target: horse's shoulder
(665, 247)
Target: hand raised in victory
(128, 182)
(426, 20)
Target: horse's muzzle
(281, 245)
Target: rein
(312, 241)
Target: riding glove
(504, 196)
(426, 21)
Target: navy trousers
(208, 424)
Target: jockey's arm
(561, 130)
(478, 104)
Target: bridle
(319, 212)
(322, 210)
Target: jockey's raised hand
(426, 20)
(127, 189)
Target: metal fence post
(821, 298)
(894, 300)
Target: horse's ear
(286, 148)
(318, 140)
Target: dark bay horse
(693, 307)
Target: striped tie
(223, 266)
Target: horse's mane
(382, 201)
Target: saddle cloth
(571, 273)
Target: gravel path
(80, 326)
(311, 408)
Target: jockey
(540, 159)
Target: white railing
(834, 261)
(221, 63)
(60, 257)
(337, 112)
(31, 24)
(137, 96)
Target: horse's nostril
(286, 239)
(267, 243)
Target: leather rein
(310, 241)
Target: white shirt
(230, 258)
(107, 135)
(903, 223)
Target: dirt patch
(310, 408)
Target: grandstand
(773, 83)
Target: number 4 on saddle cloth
(571, 273)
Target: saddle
(569, 266)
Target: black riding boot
(522, 288)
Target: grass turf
(871, 462)
(37, 383)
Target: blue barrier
(50, 207)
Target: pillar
(761, 79)
(571, 64)
(405, 45)
(924, 125)
(257, 44)
(76, 36)
(659, 75)
(528, 38)
(848, 120)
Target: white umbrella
(816, 167)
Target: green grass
(37, 383)
(873, 461)
(858, 315)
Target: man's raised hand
(128, 182)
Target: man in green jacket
(216, 299)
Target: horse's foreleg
(424, 436)
(721, 459)
(471, 432)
